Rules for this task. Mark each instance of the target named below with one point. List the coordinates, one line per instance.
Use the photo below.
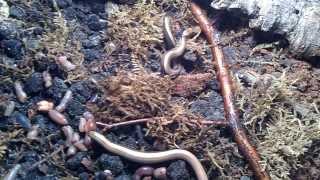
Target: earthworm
(47, 79)
(87, 141)
(91, 123)
(66, 98)
(57, 117)
(44, 106)
(88, 115)
(67, 65)
(82, 124)
(21, 94)
(68, 132)
(79, 145)
(160, 173)
(225, 80)
(75, 137)
(151, 157)
(13, 173)
(143, 171)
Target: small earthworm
(160, 173)
(143, 171)
(44, 106)
(91, 123)
(66, 98)
(151, 157)
(80, 145)
(12, 175)
(68, 133)
(57, 117)
(67, 65)
(47, 79)
(87, 141)
(75, 137)
(82, 124)
(21, 94)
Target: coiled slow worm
(151, 157)
(176, 50)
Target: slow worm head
(151, 157)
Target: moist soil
(31, 40)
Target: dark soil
(26, 52)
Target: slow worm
(151, 157)
(167, 32)
(174, 51)
(177, 49)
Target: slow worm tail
(151, 157)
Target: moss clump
(284, 127)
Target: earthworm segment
(226, 88)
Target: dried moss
(130, 96)
(57, 42)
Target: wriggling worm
(174, 52)
(167, 61)
(151, 157)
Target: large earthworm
(226, 89)
(66, 98)
(151, 157)
(21, 94)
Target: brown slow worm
(151, 157)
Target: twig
(218, 122)
(46, 158)
(224, 78)
(126, 123)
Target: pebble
(92, 41)
(75, 108)
(17, 12)
(112, 163)
(9, 109)
(57, 90)
(210, 107)
(123, 177)
(62, 3)
(74, 163)
(34, 84)
(22, 120)
(8, 30)
(13, 48)
(4, 9)
(84, 176)
(95, 24)
(91, 54)
(178, 171)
